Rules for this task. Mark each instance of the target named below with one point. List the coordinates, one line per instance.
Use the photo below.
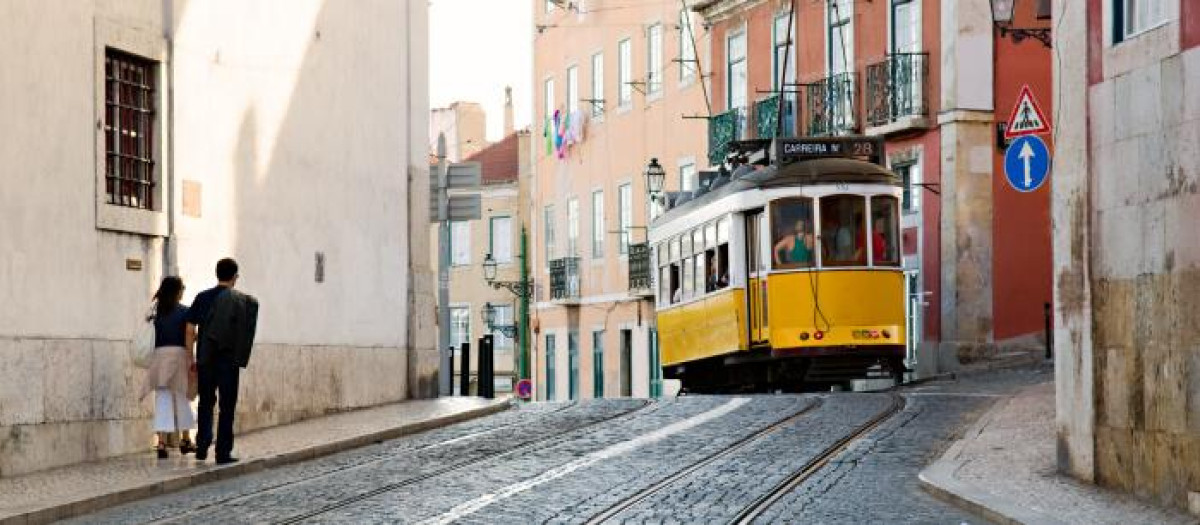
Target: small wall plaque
(133, 265)
(320, 273)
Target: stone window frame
(1146, 47)
(147, 45)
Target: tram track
(384, 489)
(814, 465)
(368, 463)
(736, 446)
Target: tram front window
(793, 245)
(885, 245)
(843, 231)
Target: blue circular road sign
(1027, 163)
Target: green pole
(526, 291)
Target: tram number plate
(792, 150)
(841, 186)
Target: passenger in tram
(714, 280)
(878, 240)
(796, 247)
(839, 244)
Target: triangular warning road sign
(1027, 117)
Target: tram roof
(800, 173)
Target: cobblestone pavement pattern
(566, 463)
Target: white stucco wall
(301, 121)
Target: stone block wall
(65, 401)
(1146, 286)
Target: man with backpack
(220, 328)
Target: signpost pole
(445, 381)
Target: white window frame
(504, 316)
(1156, 12)
(460, 235)
(914, 19)
(688, 64)
(654, 59)
(598, 224)
(548, 99)
(624, 216)
(548, 233)
(624, 73)
(460, 319)
(597, 85)
(845, 13)
(777, 42)
(573, 227)
(730, 62)
(572, 88)
(501, 256)
(689, 178)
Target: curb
(211, 474)
(938, 479)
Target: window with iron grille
(130, 93)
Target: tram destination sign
(795, 150)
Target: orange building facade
(613, 81)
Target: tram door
(756, 282)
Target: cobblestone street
(825, 458)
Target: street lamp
(1002, 18)
(489, 320)
(489, 268)
(655, 177)
(522, 288)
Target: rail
(897, 87)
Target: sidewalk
(1004, 469)
(71, 491)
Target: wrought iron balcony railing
(723, 129)
(640, 277)
(766, 117)
(831, 105)
(564, 279)
(897, 87)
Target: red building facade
(934, 79)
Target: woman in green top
(796, 247)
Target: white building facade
(146, 138)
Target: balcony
(723, 129)
(641, 282)
(898, 94)
(564, 280)
(831, 106)
(766, 117)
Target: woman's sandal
(186, 447)
(162, 450)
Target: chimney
(508, 111)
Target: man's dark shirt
(200, 308)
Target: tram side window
(885, 239)
(793, 244)
(676, 293)
(843, 230)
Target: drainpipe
(170, 246)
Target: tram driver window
(792, 245)
(843, 230)
(885, 245)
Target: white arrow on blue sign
(1027, 163)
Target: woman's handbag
(143, 342)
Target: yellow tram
(785, 272)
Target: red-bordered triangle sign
(1027, 117)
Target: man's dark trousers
(218, 383)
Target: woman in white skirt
(170, 369)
